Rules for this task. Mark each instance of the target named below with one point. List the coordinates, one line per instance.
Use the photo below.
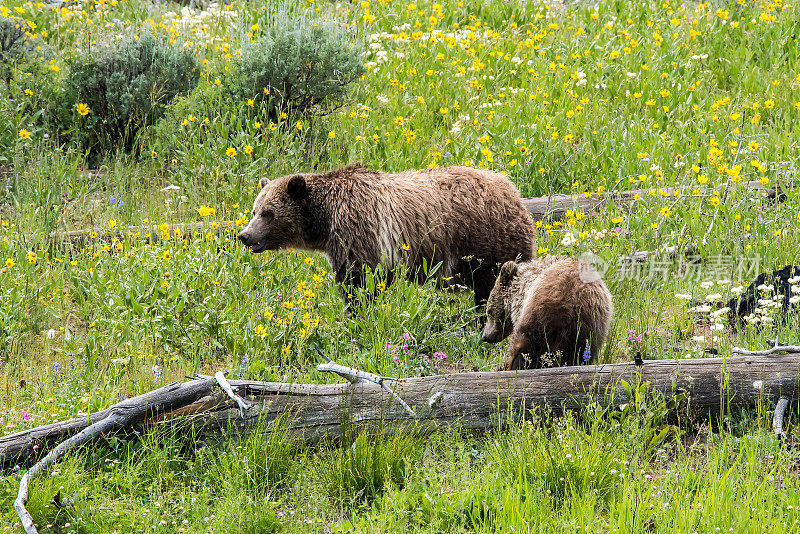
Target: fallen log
(556, 206)
(552, 207)
(154, 233)
(470, 400)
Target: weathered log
(547, 207)
(556, 206)
(80, 238)
(469, 400)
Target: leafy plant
(114, 91)
(299, 66)
(15, 46)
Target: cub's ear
(508, 272)
(263, 182)
(297, 187)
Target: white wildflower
(720, 312)
(568, 240)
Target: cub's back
(560, 284)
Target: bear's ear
(297, 187)
(263, 182)
(508, 272)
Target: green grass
(574, 98)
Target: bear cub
(468, 221)
(557, 311)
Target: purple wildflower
(633, 337)
(587, 353)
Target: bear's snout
(490, 333)
(249, 240)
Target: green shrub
(126, 87)
(15, 46)
(299, 66)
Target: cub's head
(498, 308)
(280, 216)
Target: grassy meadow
(686, 101)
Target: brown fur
(554, 307)
(469, 220)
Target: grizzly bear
(556, 309)
(469, 221)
